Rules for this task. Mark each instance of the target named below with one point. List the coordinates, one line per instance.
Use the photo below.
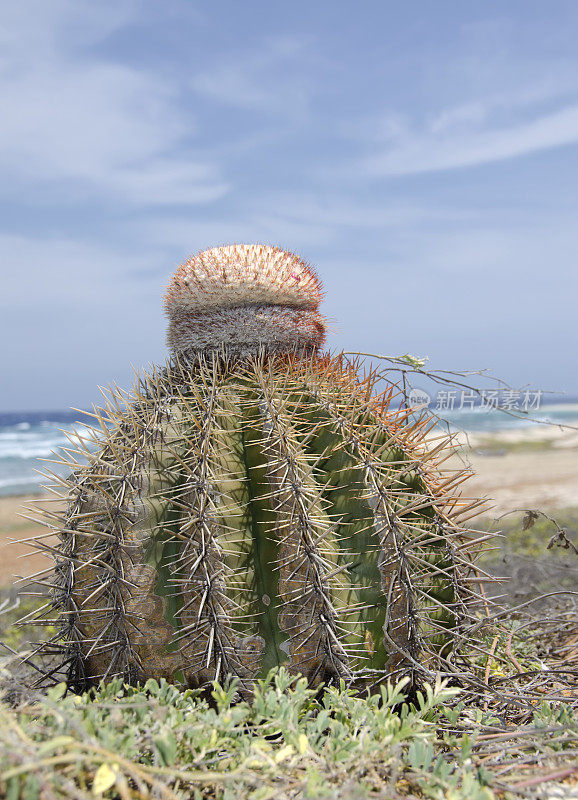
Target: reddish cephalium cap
(244, 298)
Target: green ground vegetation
(157, 741)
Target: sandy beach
(533, 468)
(18, 558)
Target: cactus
(255, 503)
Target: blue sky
(422, 155)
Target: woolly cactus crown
(244, 297)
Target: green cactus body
(258, 507)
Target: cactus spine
(256, 503)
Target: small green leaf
(167, 748)
(54, 744)
(418, 362)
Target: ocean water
(28, 439)
(483, 420)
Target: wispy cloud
(274, 76)
(459, 138)
(70, 115)
(297, 221)
(74, 317)
(68, 275)
(187, 235)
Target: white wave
(41, 442)
(30, 449)
(22, 480)
(15, 436)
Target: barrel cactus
(256, 503)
